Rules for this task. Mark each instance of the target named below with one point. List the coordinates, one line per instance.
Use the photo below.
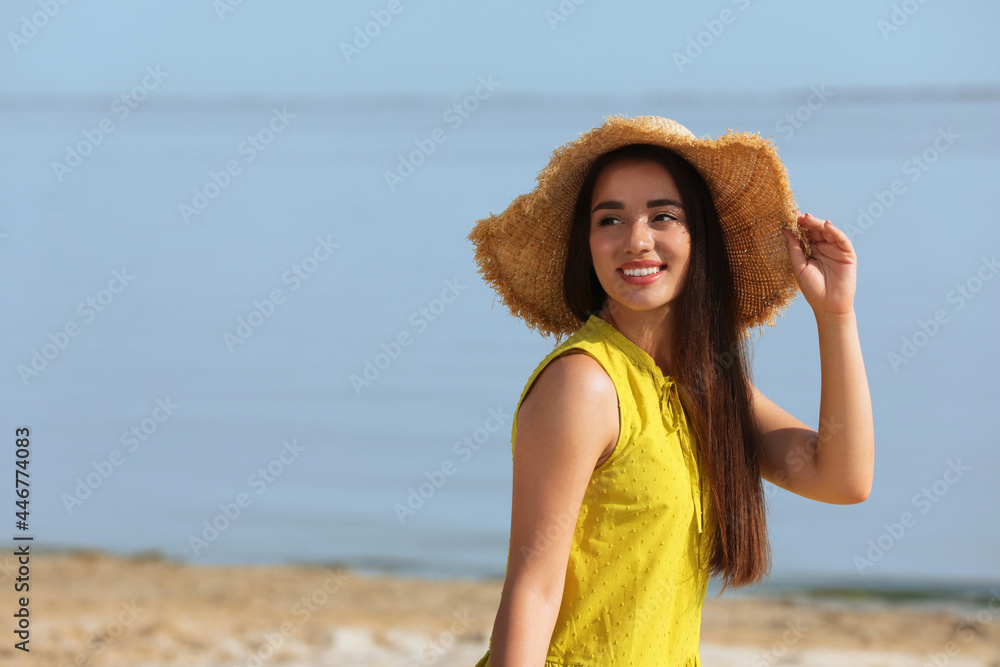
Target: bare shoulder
(564, 424)
(575, 397)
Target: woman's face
(638, 225)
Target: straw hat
(521, 253)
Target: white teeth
(641, 272)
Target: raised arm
(836, 463)
(568, 418)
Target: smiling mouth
(636, 273)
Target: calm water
(328, 268)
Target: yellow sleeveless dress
(638, 566)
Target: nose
(639, 237)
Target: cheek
(680, 243)
(598, 249)
(683, 252)
(685, 249)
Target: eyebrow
(652, 203)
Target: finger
(836, 245)
(795, 252)
(811, 221)
(820, 230)
(828, 235)
(840, 237)
(812, 228)
(830, 251)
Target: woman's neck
(650, 330)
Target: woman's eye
(610, 220)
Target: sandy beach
(96, 609)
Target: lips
(641, 273)
(644, 271)
(641, 264)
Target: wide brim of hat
(521, 253)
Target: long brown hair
(709, 363)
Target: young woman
(640, 442)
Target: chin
(643, 303)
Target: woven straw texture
(521, 253)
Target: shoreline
(91, 607)
(887, 588)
